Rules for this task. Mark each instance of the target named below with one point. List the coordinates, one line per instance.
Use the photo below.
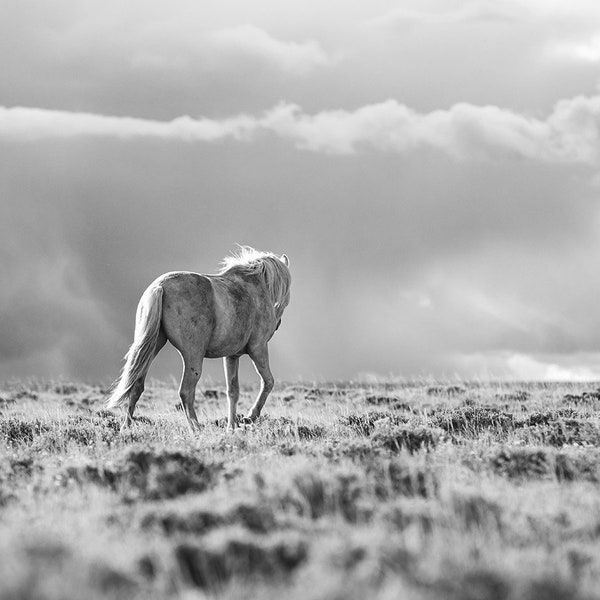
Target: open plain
(418, 490)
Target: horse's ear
(285, 260)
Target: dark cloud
(448, 238)
(398, 265)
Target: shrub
(521, 463)
(583, 398)
(148, 474)
(358, 450)
(364, 423)
(574, 468)
(216, 562)
(472, 419)
(448, 390)
(568, 431)
(171, 521)
(393, 478)
(544, 418)
(314, 495)
(15, 430)
(66, 389)
(391, 402)
(399, 438)
(516, 396)
(550, 589)
(24, 394)
(414, 511)
(474, 511)
(482, 584)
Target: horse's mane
(269, 266)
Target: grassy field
(461, 490)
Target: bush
(395, 478)
(474, 511)
(414, 511)
(547, 417)
(445, 390)
(399, 438)
(315, 495)
(254, 516)
(516, 396)
(15, 430)
(521, 463)
(583, 398)
(211, 565)
(358, 450)
(364, 423)
(172, 521)
(473, 419)
(576, 468)
(148, 474)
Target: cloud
(584, 51)
(569, 134)
(578, 13)
(529, 367)
(250, 41)
(413, 260)
(49, 317)
(29, 124)
(479, 12)
(174, 46)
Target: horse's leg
(192, 369)
(231, 365)
(138, 386)
(260, 358)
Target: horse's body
(229, 314)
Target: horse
(226, 315)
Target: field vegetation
(341, 491)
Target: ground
(391, 490)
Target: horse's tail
(141, 352)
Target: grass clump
(534, 463)
(547, 417)
(400, 438)
(15, 430)
(211, 565)
(475, 511)
(472, 420)
(582, 467)
(445, 390)
(398, 478)
(254, 515)
(568, 432)
(521, 463)
(364, 423)
(149, 474)
(588, 397)
(313, 495)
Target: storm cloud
(439, 207)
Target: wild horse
(231, 313)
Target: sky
(430, 167)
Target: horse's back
(186, 287)
(210, 311)
(188, 309)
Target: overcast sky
(431, 167)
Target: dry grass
(470, 491)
